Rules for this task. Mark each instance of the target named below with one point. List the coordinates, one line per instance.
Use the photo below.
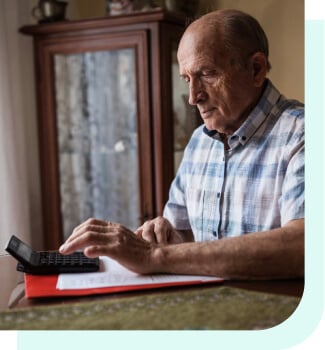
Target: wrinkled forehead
(199, 41)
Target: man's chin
(210, 125)
(215, 124)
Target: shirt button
(244, 138)
(218, 194)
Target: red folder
(37, 286)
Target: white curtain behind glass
(16, 95)
(97, 130)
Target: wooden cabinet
(106, 118)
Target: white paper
(112, 274)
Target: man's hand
(161, 231)
(99, 238)
(274, 254)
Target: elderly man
(236, 206)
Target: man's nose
(196, 92)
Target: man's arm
(278, 253)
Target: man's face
(223, 92)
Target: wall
(20, 194)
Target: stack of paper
(112, 277)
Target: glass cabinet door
(106, 118)
(95, 132)
(97, 137)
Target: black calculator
(48, 262)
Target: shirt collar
(268, 99)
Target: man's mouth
(206, 113)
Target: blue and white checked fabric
(257, 185)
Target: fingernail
(62, 248)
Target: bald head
(230, 33)
(223, 56)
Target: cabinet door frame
(162, 39)
(45, 50)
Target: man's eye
(209, 73)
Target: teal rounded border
(301, 324)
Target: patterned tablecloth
(216, 308)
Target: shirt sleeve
(292, 200)
(175, 209)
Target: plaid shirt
(257, 185)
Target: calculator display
(20, 250)
(24, 251)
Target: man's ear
(259, 68)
